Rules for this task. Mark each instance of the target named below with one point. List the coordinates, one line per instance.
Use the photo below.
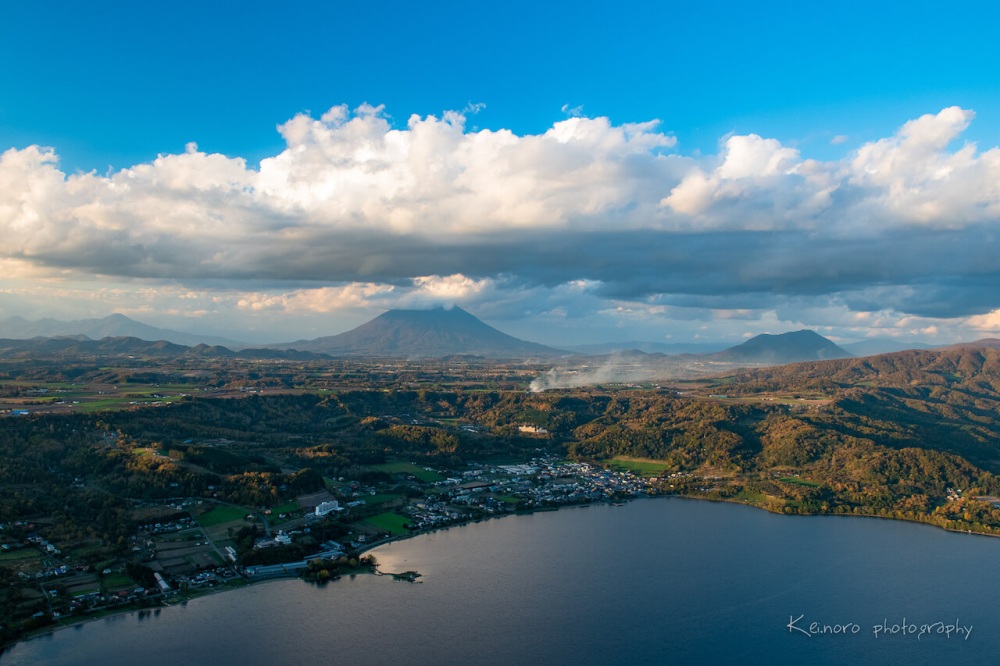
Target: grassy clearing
(80, 590)
(19, 554)
(423, 475)
(389, 522)
(508, 499)
(101, 405)
(117, 582)
(640, 466)
(751, 496)
(800, 482)
(373, 500)
(85, 551)
(288, 507)
(221, 514)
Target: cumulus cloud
(989, 322)
(356, 210)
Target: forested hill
(966, 369)
(944, 400)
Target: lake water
(655, 581)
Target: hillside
(784, 348)
(423, 334)
(944, 399)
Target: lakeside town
(190, 546)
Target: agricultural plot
(312, 500)
(184, 556)
(81, 584)
(288, 507)
(423, 475)
(639, 466)
(25, 559)
(221, 514)
(221, 523)
(19, 555)
(374, 500)
(116, 582)
(388, 522)
(800, 482)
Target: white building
(327, 507)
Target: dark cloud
(901, 224)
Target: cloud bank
(580, 219)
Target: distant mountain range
(422, 334)
(791, 347)
(444, 332)
(76, 345)
(869, 347)
(876, 346)
(649, 347)
(112, 326)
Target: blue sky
(118, 83)
(803, 102)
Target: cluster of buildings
(480, 491)
(500, 489)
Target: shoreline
(249, 582)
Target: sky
(568, 172)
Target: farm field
(389, 522)
(423, 475)
(639, 466)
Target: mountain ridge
(791, 347)
(126, 345)
(436, 332)
(114, 325)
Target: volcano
(424, 333)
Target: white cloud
(752, 157)
(448, 290)
(572, 111)
(317, 300)
(913, 178)
(988, 323)
(357, 213)
(434, 177)
(910, 178)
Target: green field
(508, 499)
(639, 466)
(86, 550)
(373, 500)
(389, 522)
(117, 582)
(101, 405)
(751, 496)
(288, 507)
(800, 482)
(19, 554)
(221, 514)
(425, 476)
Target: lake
(655, 581)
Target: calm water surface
(656, 581)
